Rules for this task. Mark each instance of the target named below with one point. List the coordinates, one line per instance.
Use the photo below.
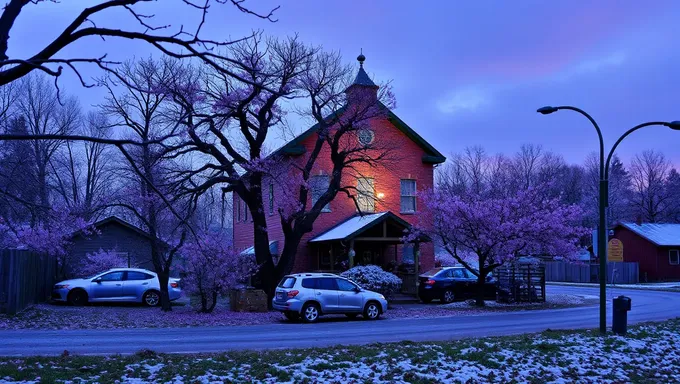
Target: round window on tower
(366, 137)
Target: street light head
(674, 125)
(546, 110)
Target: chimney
(638, 220)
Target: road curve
(647, 306)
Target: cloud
(468, 99)
(598, 64)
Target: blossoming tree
(482, 232)
(212, 267)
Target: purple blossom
(212, 267)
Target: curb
(595, 285)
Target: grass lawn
(649, 354)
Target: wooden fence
(26, 278)
(617, 272)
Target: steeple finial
(361, 58)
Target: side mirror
(97, 280)
(357, 289)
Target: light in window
(366, 194)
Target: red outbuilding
(375, 236)
(655, 247)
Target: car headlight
(382, 297)
(61, 286)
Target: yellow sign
(615, 250)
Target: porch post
(351, 253)
(416, 261)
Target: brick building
(388, 201)
(655, 247)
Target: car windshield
(433, 272)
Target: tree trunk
(479, 292)
(163, 278)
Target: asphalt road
(647, 306)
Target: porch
(369, 239)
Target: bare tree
(649, 172)
(176, 42)
(43, 114)
(139, 112)
(82, 170)
(227, 122)
(342, 108)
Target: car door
(350, 298)
(326, 293)
(108, 286)
(135, 284)
(468, 283)
(459, 281)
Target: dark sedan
(449, 284)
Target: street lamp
(604, 197)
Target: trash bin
(620, 315)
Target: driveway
(647, 306)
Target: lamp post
(604, 197)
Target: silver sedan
(115, 285)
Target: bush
(101, 261)
(212, 267)
(373, 278)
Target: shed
(654, 246)
(113, 233)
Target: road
(647, 306)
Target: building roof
(363, 78)
(665, 235)
(431, 156)
(119, 221)
(356, 225)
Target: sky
(464, 73)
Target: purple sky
(465, 73)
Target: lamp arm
(628, 132)
(599, 134)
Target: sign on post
(615, 250)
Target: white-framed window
(319, 185)
(271, 198)
(366, 194)
(408, 195)
(674, 257)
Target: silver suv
(310, 295)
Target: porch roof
(356, 225)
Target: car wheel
(77, 297)
(292, 316)
(310, 313)
(352, 315)
(372, 310)
(449, 296)
(151, 298)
